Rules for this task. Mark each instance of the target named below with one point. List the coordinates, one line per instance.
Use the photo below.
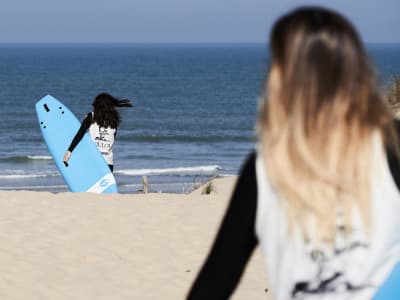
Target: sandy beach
(87, 246)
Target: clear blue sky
(171, 21)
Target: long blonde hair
(321, 108)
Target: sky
(177, 21)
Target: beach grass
(392, 96)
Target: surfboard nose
(43, 104)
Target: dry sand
(87, 246)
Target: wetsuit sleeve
(234, 242)
(81, 132)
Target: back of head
(105, 113)
(322, 106)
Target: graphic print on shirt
(104, 140)
(330, 277)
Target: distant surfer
(102, 124)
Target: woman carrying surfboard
(102, 124)
(319, 195)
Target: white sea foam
(18, 174)
(40, 157)
(35, 187)
(181, 171)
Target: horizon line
(155, 43)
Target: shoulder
(246, 186)
(249, 167)
(89, 117)
(88, 120)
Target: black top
(234, 243)
(87, 121)
(236, 238)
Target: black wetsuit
(85, 125)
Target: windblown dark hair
(105, 113)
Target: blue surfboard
(390, 288)
(87, 170)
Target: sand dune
(86, 246)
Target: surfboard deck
(87, 170)
(390, 288)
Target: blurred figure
(319, 193)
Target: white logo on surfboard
(102, 184)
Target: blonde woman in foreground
(319, 194)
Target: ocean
(194, 109)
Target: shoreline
(128, 188)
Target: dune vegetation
(393, 95)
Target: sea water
(194, 108)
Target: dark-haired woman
(320, 194)
(102, 124)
